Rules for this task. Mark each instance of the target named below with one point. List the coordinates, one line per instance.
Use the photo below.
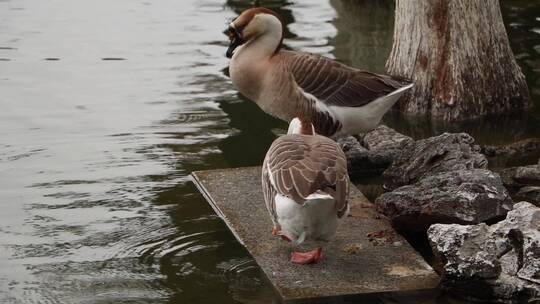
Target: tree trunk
(458, 55)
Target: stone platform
(366, 257)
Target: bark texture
(459, 57)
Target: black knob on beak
(235, 41)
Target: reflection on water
(107, 106)
(364, 33)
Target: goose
(305, 187)
(337, 99)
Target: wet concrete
(366, 256)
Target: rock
(463, 196)
(526, 146)
(523, 182)
(497, 263)
(529, 193)
(444, 153)
(349, 143)
(516, 154)
(386, 139)
(507, 176)
(360, 161)
(374, 152)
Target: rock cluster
(499, 262)
(442, 179)
(443, 183)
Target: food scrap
(381, 237)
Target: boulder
(385, 139)
(373, 152)
(523, 183)
(462, 196)
(444, 153)
(498, 263)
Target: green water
(107, 106)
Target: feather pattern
(297, 166)
(336, 84)
(307, 86)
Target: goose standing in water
(305, 186)
(337, 99)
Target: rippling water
(107, 106)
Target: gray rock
(374, 152)
(384, 138)
(515, 154)
(462, 196)
(523, 182)
(444, 153)
(529, 193)
(526, 146)
(360, 161)
(498, 263)
(507, 176)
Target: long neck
(250, 61)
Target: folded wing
(336, 84)
(297, 166)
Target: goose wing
(337, 84)
(297, 166)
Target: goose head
(252, 24)
(300, 126)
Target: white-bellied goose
(306, 186)
(337, 99)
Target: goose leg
(313, 256)
(277, 232)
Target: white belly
(315, 220)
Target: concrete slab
(366, 256)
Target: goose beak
(236, 41)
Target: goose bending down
(305, 186)
(337, 99)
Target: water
(107, 106)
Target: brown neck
(306, 128)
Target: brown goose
(337, 99)
(305, 185)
